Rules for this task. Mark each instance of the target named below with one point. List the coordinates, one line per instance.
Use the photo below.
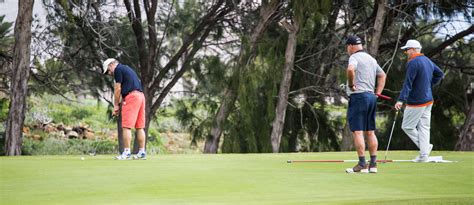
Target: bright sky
(9, 8)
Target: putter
(391, 132)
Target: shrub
(155, 143)
(54, 146)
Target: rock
(49, 128)
(89, 135)
(83, 125)
(26, 130)
(67, 128)
(72, 135)
(78, 129)
(60, 127)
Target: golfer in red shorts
(129, 88)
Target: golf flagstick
(391, 132)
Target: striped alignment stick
(382, 161)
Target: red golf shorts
(133, 110)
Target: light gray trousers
(416, 124)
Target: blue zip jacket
(421, 75)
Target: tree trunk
(120, 130)
(19, 79)
(378, 27)
(267, 14)
(465, 142)
(282, 103)
(212, 142)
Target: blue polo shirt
(421, 75)
(128, 79)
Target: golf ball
(82, 158)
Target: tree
(378, 27)
(300, 12)
(466, 141)
(268, 12)
(292, 28)
(19, 79)
(166, 38)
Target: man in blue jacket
(417, 95)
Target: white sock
(141, 150)
(126, 151)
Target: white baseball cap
(106, 63)
(411, 44)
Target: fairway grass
(234, 179)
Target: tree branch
(442, 46)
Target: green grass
(233, 179)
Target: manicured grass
(233, 179)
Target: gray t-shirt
(366, 70)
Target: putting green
(234, 179)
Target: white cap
(106, 63)
(411, 44)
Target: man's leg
(139, 125)
(359, 144)
(411, 118)
(141, 138)
(127, 137)
(424, 131)
(373, 146)
(372, 142)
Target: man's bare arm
(380, 83)
(351, 76)
(117, 95)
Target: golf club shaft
(384, 97)
(391, 133)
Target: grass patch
(233, 179)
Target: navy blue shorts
(361, 112)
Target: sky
(9, 8)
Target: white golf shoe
(140, 155)
(123, 157)
(421, 158)
(424, 157)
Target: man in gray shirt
(362, 72)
